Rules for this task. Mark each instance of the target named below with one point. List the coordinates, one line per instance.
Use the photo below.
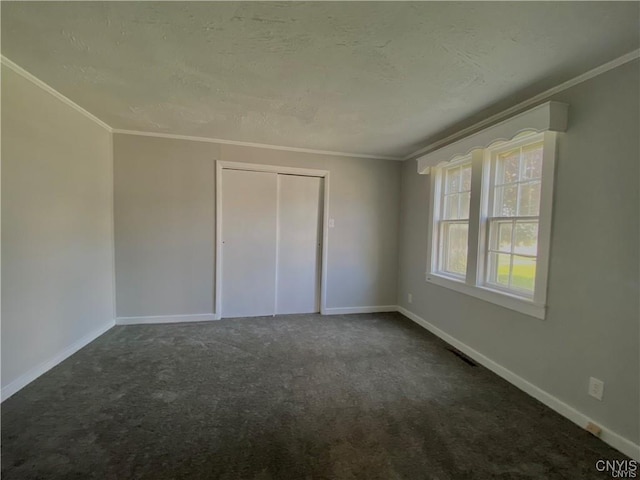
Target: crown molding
(251, 144)
(47, 88)
(503, 115)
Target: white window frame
(438, 209)
(482, 173)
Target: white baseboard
(348, 310)
(200, 317)
(608, 436)
(207, 317)
(25, 379)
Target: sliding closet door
(299, 244)
(249, 228)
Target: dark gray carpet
(294, 397)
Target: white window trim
(547, 119)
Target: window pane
(452, 180)
(529, 199)
(454, 248)
(464, 205)
(505, 201)
(526, 238)
(532, 158)
(508, 167)
(450, 207)
(524, 273)
(498, 271)
(465, 178)
(504, 236)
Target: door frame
(254, 167)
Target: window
(514, 216)
(453, 218)
(490, 210)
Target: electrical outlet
(410, 298)
(596, 388)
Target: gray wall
(165, 219)
(592, 325)
(57, 265)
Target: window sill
(493, 296)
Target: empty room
(320, 240)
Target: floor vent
(462, 357)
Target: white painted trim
(254, 167)
(36, 81)
(255, 145)
(503, 299)
(350, 310)
(548, 117)
(324, 251)
(112, 220)
(277, 255)
(28, 377)
(547, 193)
(259, 167)
(217, 277)
(610, 437)
(475, 257)
(626, 58)
(199, 317)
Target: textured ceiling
(373, 78)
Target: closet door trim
(222, 165)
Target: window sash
(513, 221)
(491, 171)
(443, 252)
(438, 258)
(491, 267)
(458, 194)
